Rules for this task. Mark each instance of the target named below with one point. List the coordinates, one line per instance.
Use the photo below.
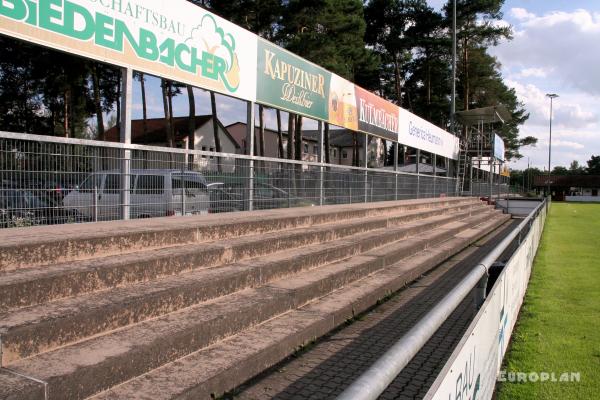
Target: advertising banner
(173, 39)
(291, 83)
(417, 132)
(472, 369)
(499, 147)
(177, 40)
(376, 115)
(342, 103)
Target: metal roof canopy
(484, 115)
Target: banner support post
(125, 138)
(250, 143)
(417, 162)
(321, 161)
(396, 148)
(366, 166)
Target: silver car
(153, 193)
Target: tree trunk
(291, 136)
(409, 99)
(428, 83)
(171, 127)
(217, 138)
(261, 129)
(144, 107)
(97, 103)
(326, 139)
(52, 121)
(466, 72)
(67, 101)
(71, 113)
(166, 110)
(298, 137)
(213, 107)
(279, 135)
(191, 117)
(355, 154)
(119, 102)
(397, 79)
(428, 80)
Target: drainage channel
(325, 368)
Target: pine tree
(394, 29)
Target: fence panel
(49, 180)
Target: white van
(154, 193)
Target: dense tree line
(525, 177)
(592, 168)
(399, 49)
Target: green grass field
(559, 326)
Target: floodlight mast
(551, 96)
(453, 100)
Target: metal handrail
(378, 377)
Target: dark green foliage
(258, 16)
(331, 34)
(400, 49)
(593, 165)
(395, 28)
(479, 81)
(47, 92)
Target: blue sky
(556, 49)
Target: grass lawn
(559, 326)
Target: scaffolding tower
(478, 158)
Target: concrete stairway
(185, 308)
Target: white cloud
(533, 72)
(575, 128)
(585, 20)
(568, 111)
(567, 144)
(563, 44)
(521, 13)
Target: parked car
(153, 193)
(268, 197)
(222, 199)
(25, 207)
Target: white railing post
(125, 136)
(250, 143)
(417, 163)
(321, 161)
(396, 148)
(366, 166)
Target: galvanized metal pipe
(377, 378)
(125, 136)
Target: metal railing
(373, 382)
(51, 180)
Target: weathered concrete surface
(44, 245)
(15, 387)
(328, 367)
(26, 332)
(86, 325)
(230, 362)
(37, 285)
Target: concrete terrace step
(13, 387)
(44, 245)
(226, 364)
(30, 286)
(82, 369)
(31, 330)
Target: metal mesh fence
(47, 180)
